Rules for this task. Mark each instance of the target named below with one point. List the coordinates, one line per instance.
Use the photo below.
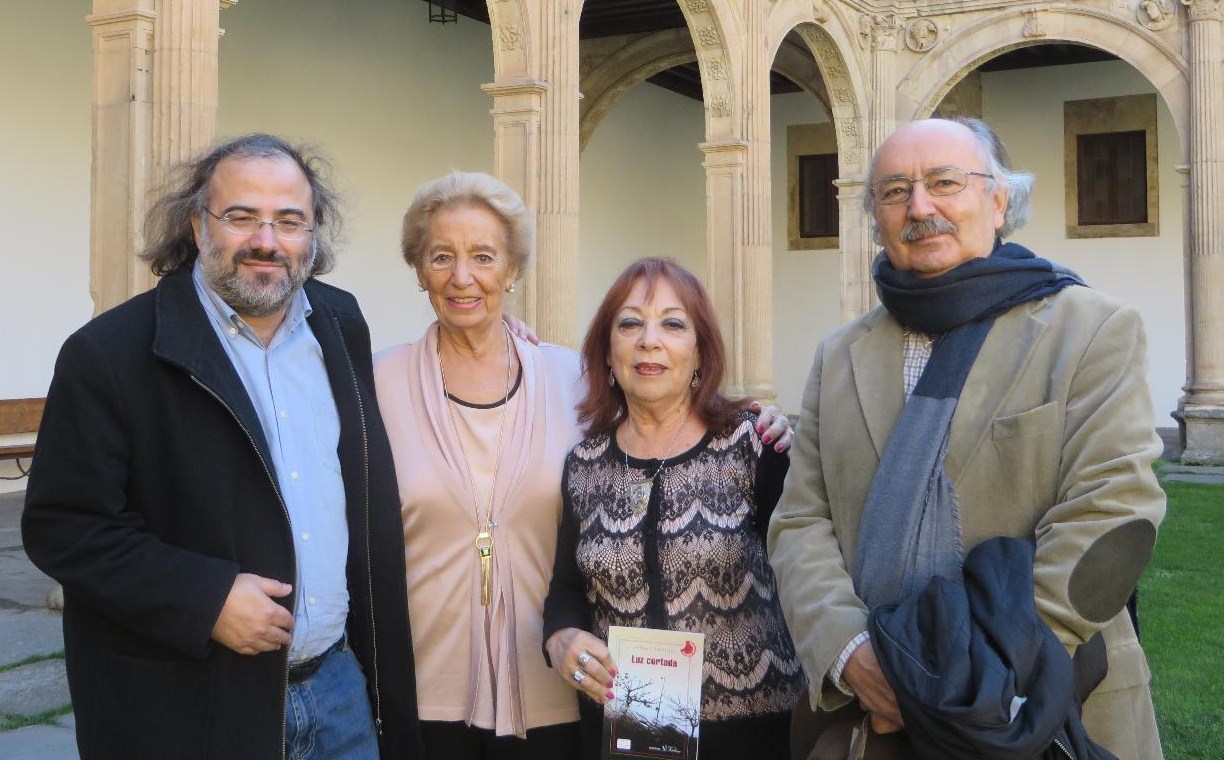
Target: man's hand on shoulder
(251, 621)
(863, 674)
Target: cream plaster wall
(1026, 107)
(44, 187)
(643, 191)
(393, 100)
(807, 290)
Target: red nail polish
(766, 439)
(612, 673)
(610, 696)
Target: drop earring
(611, 378)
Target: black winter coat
(152, 489)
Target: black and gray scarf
(910, 527)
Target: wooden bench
(19, 420)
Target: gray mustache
(932, 225)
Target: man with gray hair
(214, 489)
(992, 394)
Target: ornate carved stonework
(850, 134)
(720, 107)
(921, 35)
(878, 31)
(718, 69)
(1201, 10)
(708, 36)
(820, 11)
(696, 6)
(1033, 25)
(511, 37)
(1155, 14)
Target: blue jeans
(327, 716)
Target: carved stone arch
(515, 54)
(922, 89)
(795, 62)
(822, 26)
(717, 39)
(641, 59)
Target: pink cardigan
(452, 639)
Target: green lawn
(1181, 613)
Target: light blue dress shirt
(288, 386)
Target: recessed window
(1111, 167)
(1112, 181)
(812, 205)
(817, 195)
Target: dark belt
(301, 671)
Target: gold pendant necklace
(484, 536)
(638, 490)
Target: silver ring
(578, 676)
(584, 658)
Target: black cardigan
(152, 488)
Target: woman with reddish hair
(666, 503)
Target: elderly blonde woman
(480, 422)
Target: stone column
(753, 332)
(185, 51)
(724, 164)
(1202, 407)
(880, 33)
(154, 104)
(858, 249)
(122, 41)
(537, 145)
(517, 109)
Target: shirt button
(232, 331)
(305, 536)
(294, 475)
(284, 414)
(312, 600)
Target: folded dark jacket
(976, 672)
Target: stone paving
(29, 630)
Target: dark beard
(258, 297)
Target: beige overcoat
(1052, 440)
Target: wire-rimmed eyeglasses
(944, 180)
(249, 224)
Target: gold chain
(484, 536)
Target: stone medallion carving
(921, 35)
(1155, 14)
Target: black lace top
(691, 558)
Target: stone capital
(1204, 10)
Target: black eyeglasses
(945, 180)
(248, 224)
